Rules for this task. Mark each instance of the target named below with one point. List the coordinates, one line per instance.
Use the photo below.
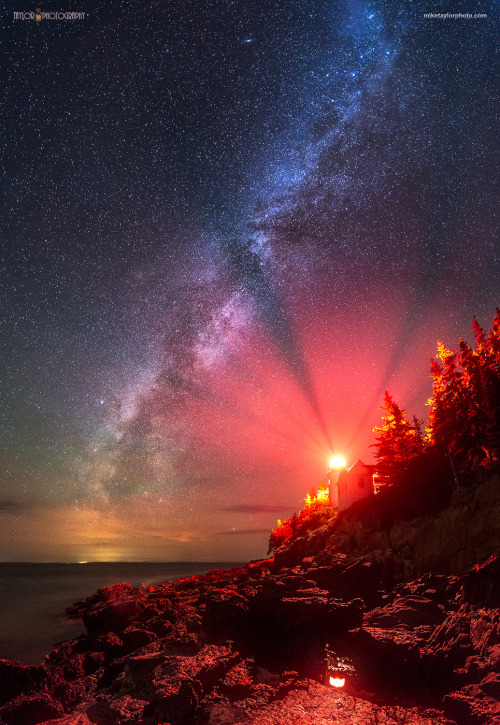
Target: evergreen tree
(451, 406)
(488, 351)
(399, 441)
(464, 415)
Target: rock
(70, 694)
(476, 704)
(134, 638)
(387, 661)
(137, 668)
(481, 585)
(239, 680)
(161, 627)
(108, 643)
(99, 713)
(31, 709)
(92, 662)
(75, 718)
(113, 615)
(174, 700)
(298, 613)
(438, 587)
(310, 611)
(207, 667)
(161, 654)
(295, 582)
(181, 644)
(73, 668)
(18, 679)
(314, 704)
(225, 615)
(128, 710)
(408, 611)
(123, 710)
(449, 542)
(193, 623)
(359, 579)
(465, 645)
(304, 546)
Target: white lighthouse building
(348, 485)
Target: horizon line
(177, 561)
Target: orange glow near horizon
(337, 462)
(337, 681)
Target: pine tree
(489, 394)
(451, 406)
(464, 415)
(398, 441)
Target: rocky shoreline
(248, 646)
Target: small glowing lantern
(337, 681)
(338, 669)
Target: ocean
(33, 598)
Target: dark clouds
(255, 508)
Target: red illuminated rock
(406, 611)
(315, 704)
(481, 585)
(18, 679)
(31, 709)
(477, 704)
(225, 615)
(161, 654)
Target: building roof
(359, 467)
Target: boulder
(476, 704)
(138, 667)
(123, 710)
(180, 644)
(239, 680)
(18, 679)
(465, 645)
(407, 611)
(359, 579)
(207, 667)
(92, 662)
(134, 638)
(113, 615)
(173, 700)
(313, 704)
(225, 616)
(387, 661)
(31, 709)
(75, 718)
(108, 643)
(481, 585)
(128, 710)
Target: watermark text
(38, 15)
(455, 16)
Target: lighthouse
(336, 470)
(348, 485)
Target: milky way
(229, 226)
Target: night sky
(228, 226)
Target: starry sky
(228, 226)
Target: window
(361, 481)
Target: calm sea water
(33, 598)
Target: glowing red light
(337, 681)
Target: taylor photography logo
(37, 15)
